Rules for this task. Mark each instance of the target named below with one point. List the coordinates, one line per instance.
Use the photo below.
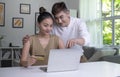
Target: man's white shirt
(76, 29)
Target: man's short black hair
(58, 7)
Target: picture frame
(2, 14)
(36, 27)
(25, 8)
(17, 22)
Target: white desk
(91, 69)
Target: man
(73, 31)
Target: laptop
(63, 60)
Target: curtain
(90, 11)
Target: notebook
(63, 60)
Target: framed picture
(17, 22)
(25, 8)
(2, 14)
(36, 27)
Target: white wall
(15, 35)
(73, 4)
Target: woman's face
(46, 26)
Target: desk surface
(90, 69)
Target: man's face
(62, 18)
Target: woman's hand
(31, 60)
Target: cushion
(103, 52)
(88, 51)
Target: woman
(40, 44)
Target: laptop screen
(63, 60)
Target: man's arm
(72, 42)
(83, 33)
(83, 38)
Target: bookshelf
(10, 56)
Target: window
(111, 22)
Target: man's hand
(25, 39)
(71, 43)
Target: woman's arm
(25, 53)
(61, 44)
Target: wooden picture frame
(17, 22)
(25, 8)
(36, 27)
(2, 14)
